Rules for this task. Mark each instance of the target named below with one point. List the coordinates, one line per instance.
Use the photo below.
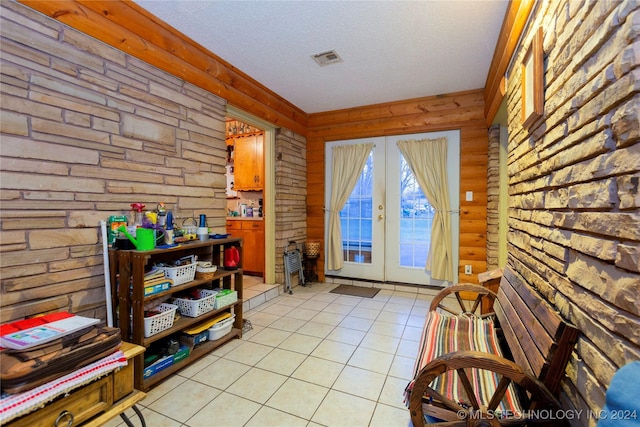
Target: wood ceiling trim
(512, 27)
(131, 29)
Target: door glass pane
(356, 219)
(416, 217)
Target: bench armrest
(441, 406)
(470, 292)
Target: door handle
(380, 217)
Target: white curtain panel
(348, 163)
(427, 159)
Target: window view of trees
(356, 218)
(415, 224)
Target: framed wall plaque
(533, 81)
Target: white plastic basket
(180, 275)
(161, 321)
(196, 307)
(221, 328)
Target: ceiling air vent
(326, 58)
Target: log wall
(463, 111)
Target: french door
(386, 222)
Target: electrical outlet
(467, 269)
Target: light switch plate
(469, 196)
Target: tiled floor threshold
(312, 358)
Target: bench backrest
(539, 339)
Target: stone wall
(291, 194)
(574, 222)
(86, 130)
(493, 198)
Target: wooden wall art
(533, 81)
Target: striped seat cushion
(444, 334)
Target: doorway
(268, 254)
(386, 221)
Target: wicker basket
(312, 248)
(180, 275)
(206, 271)
(196, 307)
(161, 321)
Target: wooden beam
(133, 30)
(512, 27)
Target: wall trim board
(514, 23)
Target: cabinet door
(259, 157)
(248, 163)
(234, 225)
(253, 234)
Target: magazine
(31, 337)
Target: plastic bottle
(168, 232)
(162, 214)
(136, 209)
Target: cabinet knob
(62, 416)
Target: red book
(24, 334)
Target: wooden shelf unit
(127, 269)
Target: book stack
(155, 282)
(24, 334)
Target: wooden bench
(494, 368)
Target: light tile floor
(312, 359)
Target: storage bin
(193, 340)
(196, 307)
(158, 366)
(180, 275)
(226, 297)
(182, 354)
(221, 328)
(205, 270)
(161, 321)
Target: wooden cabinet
(249, 163)
(252, 232)
(77, 407)
(127, 269)
(93, 404)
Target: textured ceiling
(391, 50)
